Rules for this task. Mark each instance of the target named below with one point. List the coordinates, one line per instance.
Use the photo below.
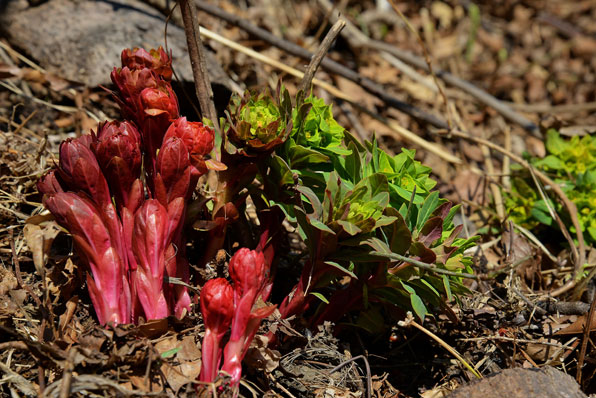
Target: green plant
(571, 163)
(352, 202)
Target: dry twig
(409, 321)
(368, 374)
(316, 59)
(584, 347)
(196, 53)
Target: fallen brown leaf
(39, 233)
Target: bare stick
(196, 53)
(441, 271)
(316, 59)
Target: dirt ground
(534, 58)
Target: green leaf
(342, 269)
(416, 302)
(170, 353)
(551, 162)
(455, 263)
(431, 287)
(425, 254)
(350, 228)
(447, 287)
(541, 213)
(592, 232)
(378, 185)
(350, 139)
(554, 143)
(418, 306)
(378, 246)
(312, 198)
(429, 205)
(448, 221)
(320, 297)
(398, 234)
(353, 164)
(431, 231)
(319, 225)
(301, 157)
(542, 216)
(280, 171)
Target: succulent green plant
(354, 206)
(259, 122)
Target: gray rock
(81, 40)
(522, 383)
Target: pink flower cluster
(122, 193)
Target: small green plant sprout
(571, 163)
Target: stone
(545, 382)
(81, 40)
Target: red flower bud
(173, 177)
(49, 184)
(130, 83)
(160, 108)
(152, 233)
(217, 306)
(198, 138)
(250, 274)
(109, 288)
(118, 150)
(80, 171)
(160, 100)
(157, 60)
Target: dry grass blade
(409, 321)
(368, 374)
